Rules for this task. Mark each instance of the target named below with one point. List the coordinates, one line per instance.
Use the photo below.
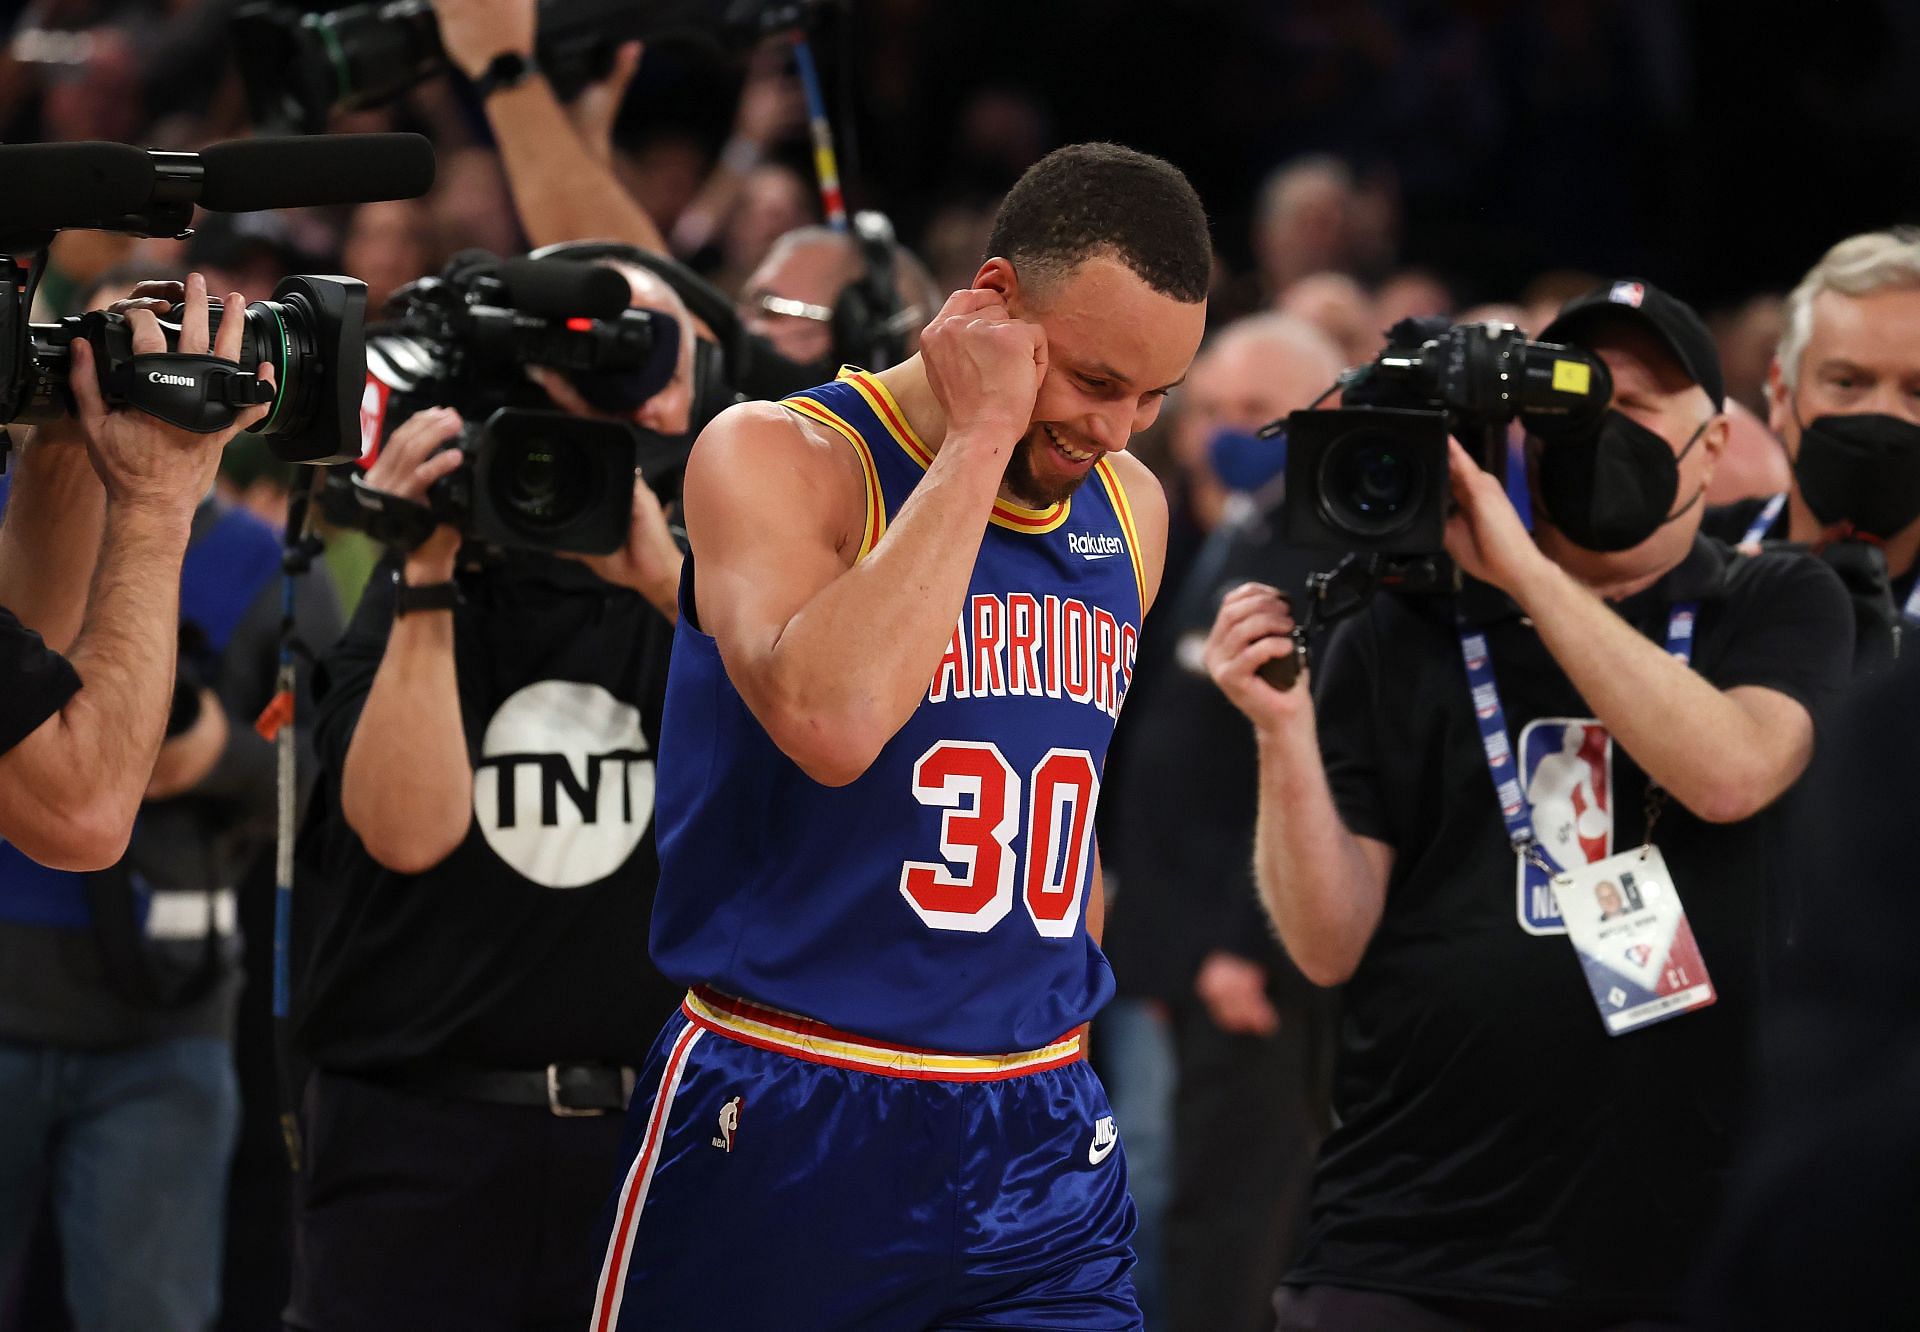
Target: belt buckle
(553, 1099)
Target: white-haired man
(1843, 395)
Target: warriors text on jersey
(938, 901)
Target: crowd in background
(1371, 162)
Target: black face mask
(1861, 470)
(1612, 487)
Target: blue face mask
(1243, 461)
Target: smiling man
(908, 622)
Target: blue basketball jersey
(939, 900)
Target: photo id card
(1626, 923)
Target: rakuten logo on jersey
(563, 790)
(1094, 545)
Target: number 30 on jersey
(972, 889)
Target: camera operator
(470, 995)
(564, 189)
(117, 1107)
(1249, 1034)
(1844, 397)
(1506, 1158)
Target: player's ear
(997, 275)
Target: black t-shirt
(35, 681)
(528, 944)
(1878, 600)
(1494, 1142)
(1181, 790)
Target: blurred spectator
(1748, 336)
(1753, 465)
(388, 245)
(955, 241)
(1498, 312)
(1410, 293)
(470, 207)
(1340, 308)
(1250, 1035)
(664, 173)
(774, 199)
(1544, 296)
(789, 300)
(1303, 221)
(1002, 132)
(771, 111)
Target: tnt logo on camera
(563, 788)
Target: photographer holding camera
(112, 1104)
(1633, 701)
(468, 991)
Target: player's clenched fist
(984, 366)
(1254, 626)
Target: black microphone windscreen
(302, 171)
(45, 186)
(565, 288)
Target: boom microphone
(306, 171)
(118, 187)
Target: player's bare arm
(830, 655)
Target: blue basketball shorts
(781, 1174)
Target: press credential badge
(1626, 923)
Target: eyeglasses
(766, 301)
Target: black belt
(565, 1089)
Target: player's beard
(1024, 481)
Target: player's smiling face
(1115, 347)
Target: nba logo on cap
(1628, 293)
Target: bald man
(1249, 1035)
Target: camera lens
(1371, 483)
(543, 487)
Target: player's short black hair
(1091, 199)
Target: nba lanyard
(1492, 718)
(1764, 520)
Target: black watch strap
(507, 70)
(427, 597)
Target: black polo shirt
(35, 681)
(1494, 1142)
(528, 944)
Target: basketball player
(908, 622)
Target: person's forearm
(1704, 747)
(49, 542)
(89, 772)
(561, 191)
(1323, 893)
(407, 784)
(851, 666)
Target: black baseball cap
(1668, 318)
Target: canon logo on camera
(161, 377)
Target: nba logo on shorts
(729, 1123)
(1627, 293)
(1566, 771)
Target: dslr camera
(297, 67)
(1372, 475)
(534, 478)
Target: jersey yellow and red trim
(1013, 517)
(804, 1038)
(1123, 510)
(876, 518)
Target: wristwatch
(507, 70)
(426, 597)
